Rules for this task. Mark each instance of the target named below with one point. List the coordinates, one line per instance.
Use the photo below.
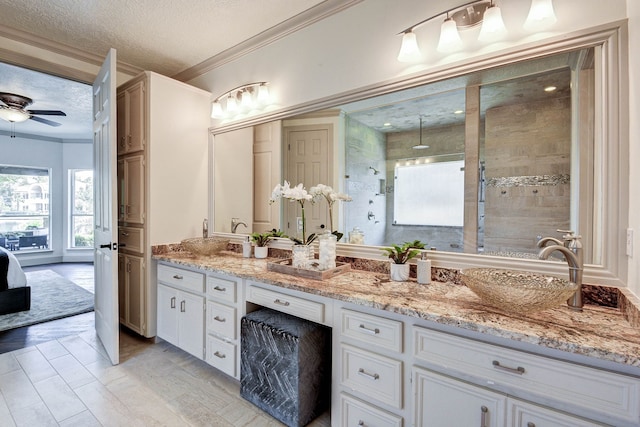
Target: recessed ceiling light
(550, 88)
(387, 124)
(458, 112)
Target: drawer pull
(374, 377)
(519, 370)
(173, 302)
(484, 413)
(279, 302)
(183, 305)
(124, 233)
(218, 288)
(220, 355)
(178, 277)
(220, 319)
(361, 423)
(366, 330)
(530, 424)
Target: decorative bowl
(205, 246)
(517, 291)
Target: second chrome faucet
(235, 222)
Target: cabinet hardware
(218, 288)
(173, 302)
(183, 305)
(484, 413)
(220, 355)
(366, 330)
(530, 424)
(285, 303)
(361, 423)
(374, 377)
(519, 370)
(124, 233)
(178, 277)
(220, 319)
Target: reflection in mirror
(481, 163)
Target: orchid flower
(331, 197)
(295, 194)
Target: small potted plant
(399, 256)
(262, 240)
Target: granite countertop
(597, 332)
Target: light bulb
(492, 25)
(246, 101)
(232, 104)
(13, 115)
(409, 51)
(263, 95)
(449, 37)
(541, 15)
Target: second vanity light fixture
(241, 100)
(541, 16)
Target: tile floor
(69, 382)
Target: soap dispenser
(424, 269)
(246, 248)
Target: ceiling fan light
(409, 50)
(449, 37)
(492, 25)
(541, 15)
(13, 115)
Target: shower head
(375, 171)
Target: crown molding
(58, 48)
(304, 19)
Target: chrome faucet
(235, 222)
(205, 228)
(571, 248)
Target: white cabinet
(131, 292)
(524, 414)
(181, 309)
(181, 319)
(441, 401)
(162, 170)
(131, 116)
(223, 323)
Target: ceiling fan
(15, 111)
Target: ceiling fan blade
(45, 121)
(47, 112)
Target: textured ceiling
(165, 36)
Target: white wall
(49, 153)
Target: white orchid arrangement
(295, 194)
(331, 197)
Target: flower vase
(261, 251)
(301, 256)
(327, 251)
(399, 272)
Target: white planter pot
(399, 272)
(261, 251)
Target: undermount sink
(205, 245)
(517, 291)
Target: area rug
(52, 297)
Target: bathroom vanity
(407, 354)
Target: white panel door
(106, 203)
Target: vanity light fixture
(469, 15)
(241, 100)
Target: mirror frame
(611, 146)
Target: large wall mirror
(483, 163)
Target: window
(24, 208)
(429, 194)
(81, 218)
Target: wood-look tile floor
(70, 382)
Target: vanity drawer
(186, 279)
(221, 355)
(580, 386)
(222, 289)
(221, 320)
(299, 307)
(131, 239)
(372, 330)
(373, 375)
(358, 413)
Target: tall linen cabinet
(162, 135)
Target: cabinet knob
(530, 424)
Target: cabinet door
(191, 324)
(524, 414)
(168, 308)
(122, 288)
(121, 129)
(133, 189)
(135, 293)
(443, 401)
(135, 118)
